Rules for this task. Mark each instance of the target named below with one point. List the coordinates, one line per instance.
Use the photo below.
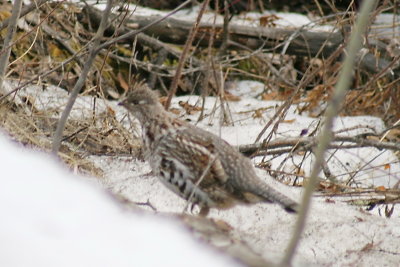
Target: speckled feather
(179, 153)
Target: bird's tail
(268, 193)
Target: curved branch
(79, 84)
(326, 136)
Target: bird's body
(195, 164)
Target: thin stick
(326, 135)
(210, 163)
(133, 33)
(24, 11)
(304, 143)
(182, 59)
(5, 52)
(104, 45)
(79, 84)
(205, 82)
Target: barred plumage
(196, 164)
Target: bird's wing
(197, 152)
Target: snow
(280, 19)
(336, 234)
(55, 218)
(50, 217)
(54, 98)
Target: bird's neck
(155, 128)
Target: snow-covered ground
(50, 217)
(53, 217)
(336, 234)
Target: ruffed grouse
(195, 164)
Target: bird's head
(142, 102)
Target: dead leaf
(257, 113)
(269, 96)
(122, 82)
(300, 172)
(289, 121)
(175, 111)
(229, 97)
(393, 135)
(268, 20)
(54, 51)
(4, 14)
(328, 186)
(380, 189)
(368, 247)
(190, 109)
(280, 95)
(111, 111)
(371, 137)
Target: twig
(225, 29)
(305, 143)
(210, 163)
(44, 74)
(162, 55)
(396, 124)
(24, 11)
(133, 33)
(147, 203)
(49, 31)
(207, 72)
(279, 114)
(5, 52)
(79, 84)
(281, 151)
(182, 59)
(326, 136)
(74, 133)
(161, 70)
(34, 28)
(141, 37)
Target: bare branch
(326, 136)
(24, 11)
(307, 143)
(5, 52)
(182, 59)
(79, 84)
(133, 33)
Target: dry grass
(100, 135)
